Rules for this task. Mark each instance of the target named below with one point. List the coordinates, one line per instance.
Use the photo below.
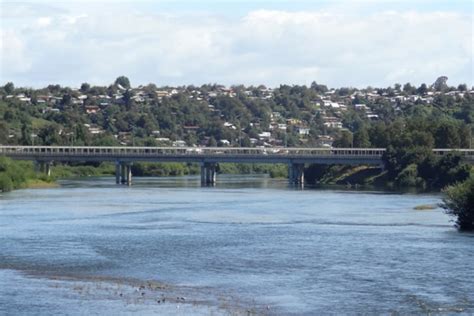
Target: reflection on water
(250, 240)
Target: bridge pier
(43, 166)
(47, 168)
(296, 173)
(129, 174)
(203, 174)
(117, 172)
(123, 173)
(208, 173)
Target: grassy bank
(82, 170)
(274, 170)
(151, 169)
(19, 175)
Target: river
(250, 245)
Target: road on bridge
(208, 157)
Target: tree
(25, 135)
(212, 142)
(81, 135)
(344, 140)
(127, 99)
(459, 202)
(85, 87)
(421, 138)
(408, 88)
(422, 89)
(462, 87)
(123, 81)
(3, 133)
(440, 83)
(319, 87)
(408, 177)
(447, 136)
(361, 138)
(9, 88)
(379, 136)
(49, 135)
(66, 100)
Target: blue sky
(339, 43)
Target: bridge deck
(208, 154)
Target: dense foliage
(407, 120)
(16, 174)
(419, 167)
(459, 202)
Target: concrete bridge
(207, 157)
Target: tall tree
(361, 138)
(440, 83)
(85, 87)
(9, 88)
(344, 140)
(123, 81)
(423, 89)
(3, 133)
(25, 135)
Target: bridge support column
(117, 172)
(213, 175)
(296, 173)
(129, 174)
(47, 168)
(203, 174)
(123, 173)
(43, 166)
(208, 173)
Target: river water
(250, 245)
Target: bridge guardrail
(35, 151)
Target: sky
(171, 43)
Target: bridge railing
(183, 151)
(38, 151)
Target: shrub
(6, 183)
(408, 177)
(459, 202)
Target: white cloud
(44, 21)
(14, 59)
(264, 46)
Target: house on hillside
(302, 131)
(91, 109)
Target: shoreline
(40, 184)
(152, 295)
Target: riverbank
(20, 175)
(373, 176)
(40, 184)
(346, 175)
(146, 169)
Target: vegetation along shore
(406, 120)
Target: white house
(302, 130)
